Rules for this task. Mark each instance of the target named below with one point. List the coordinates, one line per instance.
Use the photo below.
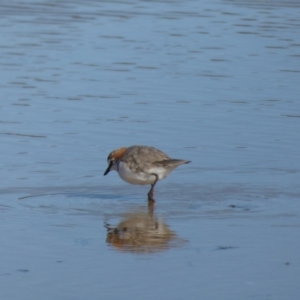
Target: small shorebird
(142, 165)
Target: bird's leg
(150, 193)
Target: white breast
(134, 178)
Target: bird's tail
(174, 162)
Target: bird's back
(147, 159)
(143, 153)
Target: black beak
(108, 168)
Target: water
(215, 82)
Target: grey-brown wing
(141, 158)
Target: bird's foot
(151, 200)
(150, 196)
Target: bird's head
(113, 158)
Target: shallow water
(215, 82)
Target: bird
(142, 165)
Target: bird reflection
(141, 232)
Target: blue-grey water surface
(214, 82)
